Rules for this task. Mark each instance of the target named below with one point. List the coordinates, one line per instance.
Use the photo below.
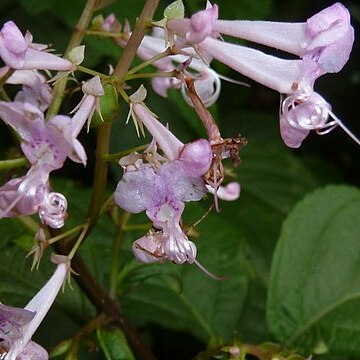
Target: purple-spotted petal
(136, 191)
(177, 184)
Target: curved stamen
(53, 210)
(341, 124)
(306, 110)
(207, 272)
(207, 98)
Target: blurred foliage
(178, 308)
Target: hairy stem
(151, 75)
(203, 113)
(136, 37)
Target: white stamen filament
(207, 272)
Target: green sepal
(109, 107)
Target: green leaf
(114, 345)
(35, 7)
(314, 294)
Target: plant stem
(76, 39)
(78, 242)
(100, 174)
(124, 63)
(116, 247)
(6, 76)
(103, 303)
(13, 163)
(105, 33)
(117, 156)
(151, 75)
(92, 72)
(103, 136)
(28, 223)
(150, 61)
(63, 235)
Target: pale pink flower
(35, 89)
(324, 43)
(327, 37)
(46, 146)
(161, 185)
(161, 191)
(17, 325)
(90, 103)
(19, 52)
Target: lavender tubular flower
(161, 192)
(90, 103)
(17, 326)
(326, 37)
(324, 43)
(35, 89)
(46, 146)
(161, 186)
(271, 71)
(18, 52)
(303, 109)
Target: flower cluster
(46, 144)
(160, 185)
(323, 44)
